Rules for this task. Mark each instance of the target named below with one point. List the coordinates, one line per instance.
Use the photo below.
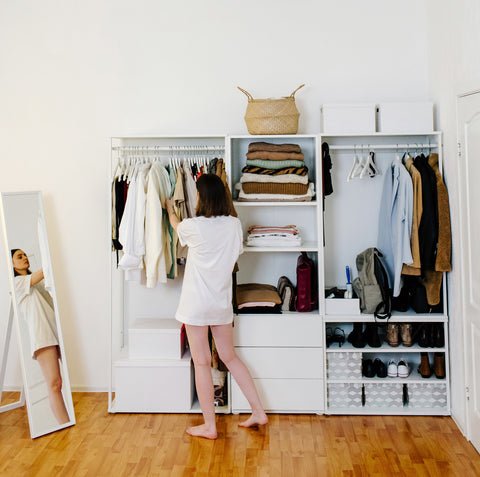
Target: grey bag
(371, 285)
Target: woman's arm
(36, 277)
(172, 217)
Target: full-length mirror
(46, 382)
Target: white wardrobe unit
(351, 226)
(145, 377)
(293, 369)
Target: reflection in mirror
(47, 387)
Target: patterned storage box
(425, 395)
(383, 395)
(344, 395)
(344, 365)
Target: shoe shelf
(397, 317)
(349, 348)
(388, 411)
(413, 377)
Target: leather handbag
(307, 284)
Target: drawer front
(296, 330)
(283, 395)
(298, 363)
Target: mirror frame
(25, 393)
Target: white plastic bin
(405, 117)
(156, 338)
(349, 118)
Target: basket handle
(293, 94)
(249, 96)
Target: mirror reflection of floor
(9, 397)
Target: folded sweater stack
(273, 236)
(275, 172)
(258, 298)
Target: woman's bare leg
(47, 358)
(223, 336)
(200, 349)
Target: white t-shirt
(214, 244)
(36, 304)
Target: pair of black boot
(431, 335)
(360, 337)
(371, 368)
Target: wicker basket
(272, 116)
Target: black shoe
(356, 337)
(371, 335)
(380, 368)
(367, 368)
(424, 336)
(438, 335)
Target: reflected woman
(37, 306)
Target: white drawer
(283, 395)
(292, 329)
(299, 363)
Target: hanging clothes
(416, 266)
(158, 256)
(428, 229)
(190, 191)
(395, 226)
(443, 258)
(180, 207)
(132, 227)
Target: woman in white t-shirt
(214, 241)
(36, 304)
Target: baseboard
(459, 423)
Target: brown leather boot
(439, 365)
(392, 334)
(406, 334)
(424, 368)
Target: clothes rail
(359, 147)
(171, 149)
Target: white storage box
(344, 365)
(154, 386)
(155, 338)
(383, 395)
(349, 118)
(342, 306)
(344, 395)
(426, 395)
(405, 117)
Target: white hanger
(369, 168)
(355, 164)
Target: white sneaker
(403, 369)
(392, 369)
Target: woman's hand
(172, 217)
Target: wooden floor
(103, 444)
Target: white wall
(454, 68)
(75, 73)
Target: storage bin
(342, 306)
(426, 395)
(155, 338)
(344, 395)
(383, 395)
(405, 117)
(344, 365)
(348, 118)
(154, 385)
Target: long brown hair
(212, 196)
(15, 273)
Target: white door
(469, 148)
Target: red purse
(307, 287)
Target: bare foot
(255, 420)
(202, 431)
